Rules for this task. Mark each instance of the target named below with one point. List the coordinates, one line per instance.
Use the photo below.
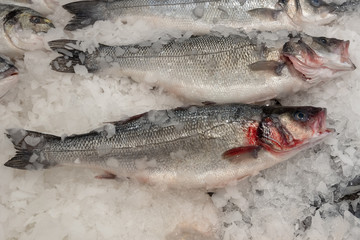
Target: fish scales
(210, 129)
(200, 16)
(231, 13)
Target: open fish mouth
(315, 65)
(314, 72)
(317, 138)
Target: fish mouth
(314, 67)
(319, 125)
(317, 138)
(348, 65)
(320, 131)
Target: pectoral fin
(265, 13)
(272, 66)
(241, 153)
(106, 175)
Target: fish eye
(301, 116)
(283, 2)
(323, 40)
(315, 3)
(36, 20)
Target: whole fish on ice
(199, 146)
(199, 16)
(21, 29)
(218, 69)
(8, 75)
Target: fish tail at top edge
(29, 146)
(86, 14)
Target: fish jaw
(338, 58)
(316, 64)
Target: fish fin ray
(70, 57)
(106, 175)
(265, 13)
(29, 155)
(239, 154)
(127, 120)
(273, 66)
(86, 14)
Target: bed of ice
(293, 200)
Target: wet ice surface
(293, 200)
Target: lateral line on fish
(170, 4)
(184, 55)
(203, 133)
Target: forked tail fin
(71, 57)
(29, 149)
(86, 13)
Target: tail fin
(29, 149)
(71, 57)
(86, 14)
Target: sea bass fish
(8, 75)
(199, 16)
(21, 28)
(217, 69)
(194, 147)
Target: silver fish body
(198, 146)
(199, 16)
(192, 15)
(206, 68)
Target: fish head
(23, 27)
(287, 130)
(8, 76)
(309, 11)
(318, 58)
(27, 19)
